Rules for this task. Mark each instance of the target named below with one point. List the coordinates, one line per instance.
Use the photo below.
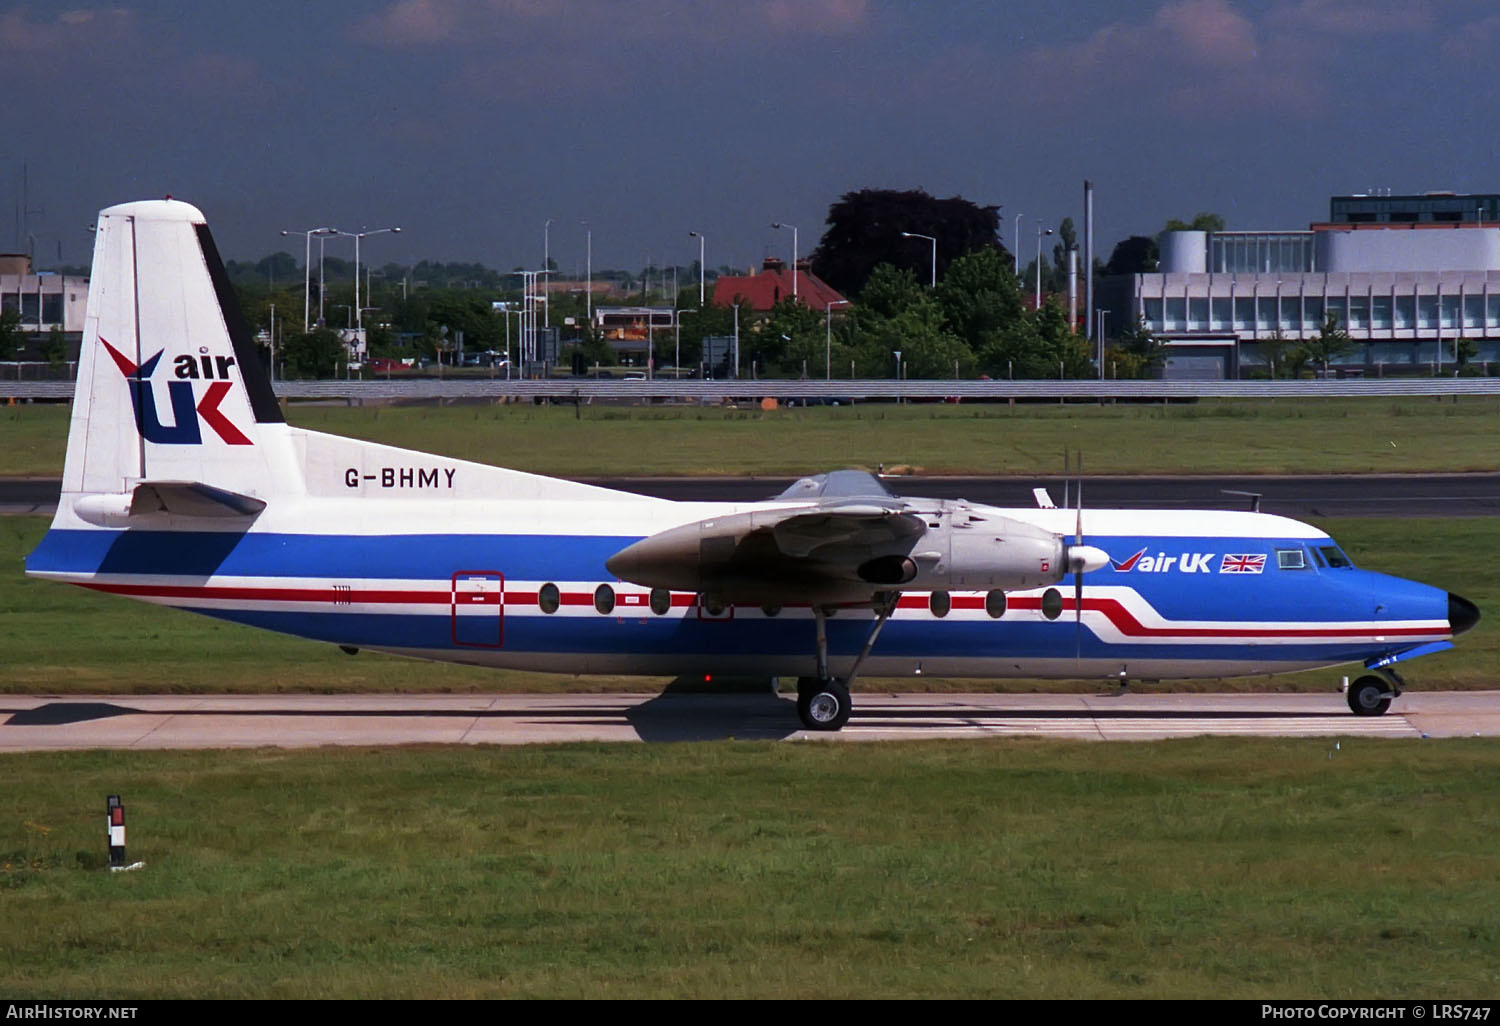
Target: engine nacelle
(966, 550)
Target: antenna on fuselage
(1254, 497)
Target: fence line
(829, 391)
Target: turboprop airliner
(185, 486)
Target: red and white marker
(115, 818)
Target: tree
(318, 353)
(1330, 343)
(864, 231)
(1202, 222)
(10, 333)
(1464, 350)
(1139, 254)
(55, 348)
(1037, 345)
(979, 296)
(1137, 352)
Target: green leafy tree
(1283, 359)
(318, 353)
(1203, 221)
(1137, 352)
(979, 297)
(55, 348)
(1330, 343)
(10, 334)
(793, 337)
(1464, 350)
(1038, 345)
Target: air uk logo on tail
(186, 412)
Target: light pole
(929, 238)
(793, 227)
(358, 316)
(547, 266)
(307, 272)
(828, 342)
(1040, 231)
(1017, 253)
(589, 282)
(1102, 314)
(699, 237)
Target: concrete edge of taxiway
(152, 722)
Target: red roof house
(760, 292)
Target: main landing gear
(823, 701)
(1371, 695)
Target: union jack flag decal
(1243, 564)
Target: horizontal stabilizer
(192, 499)
(178, 498)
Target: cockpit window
(1335, 556)
(1291, 559)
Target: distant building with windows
(1401, 276)
(43, 300)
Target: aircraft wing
(844, 551)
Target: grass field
(1212, 436)
(1203, 868)
(57, 638)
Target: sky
(471, 123)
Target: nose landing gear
(1371, 695)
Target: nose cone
(1462, 614)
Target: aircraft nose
(1462, 614)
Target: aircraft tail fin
(171, 389)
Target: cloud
(1196, 59)
(1474, 43)
(113, 51)
(469, 24)
(815, 17)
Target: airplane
(184, 486)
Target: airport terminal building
(42, 300)
(1404, 275)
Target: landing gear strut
(823, 701)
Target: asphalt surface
(1301, 497)
(39, 723)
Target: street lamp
(356, 236)
(929, 238)
(307, 272)
(1017, 244)
(547, 266)
(589, 283)
(699, 237)
(1101, 315)
(793, 227)
(1039, 233)
(828, 343)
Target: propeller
(1081, 559)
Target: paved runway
(1300, 496)
(38, 723)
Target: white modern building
(42, 300)
(1402, 290)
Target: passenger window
(661, 601)
(549, 598)
(1291, 559)
(939, 603)
(994, 603)
(604, 598)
